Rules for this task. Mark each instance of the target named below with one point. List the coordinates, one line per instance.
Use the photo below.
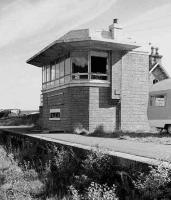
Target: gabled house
(94, 79)
(157, 72)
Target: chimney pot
(115, 21)
(157, 49)
(152, 50)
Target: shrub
(101, 192)
(155, 184)
(95, 192)
(80, 130)
(98, 165)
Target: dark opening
(98, 65)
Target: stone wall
(102, 110)
(135, 91)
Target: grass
(146, 137)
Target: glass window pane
(98, 65)
(56, 82)
(61, 81)
(57, 70)
(67, 66)
(61, 69)
(43, 71)
(80, 62)
(67, 79)
(53, 72)
(44, 74)
(160, 101)
(48, 73)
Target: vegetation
(38, 170)
(151, 137)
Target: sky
(27, 26)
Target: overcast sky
(26, 26)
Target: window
(57, 70)
(80, 65)
(99, 65)
(67, 67)
(44, 75)
(155, 81)
(48, 73)
(61, 69)
(53, 72)
(158, 100)
(55, 114)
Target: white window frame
(55, 110)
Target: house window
(155, 81)
(48, 73)
(80, 65)
(99, 65)
(55, 114)
(158, 100)
(53, 71)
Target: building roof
(162, 69)
(84, 38)
(161, 86)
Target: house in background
(157, 71)
(94, 79)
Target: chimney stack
(154, 57)
(115, 30)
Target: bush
(155, 184)
(95, 192)
(16, 183)
(98, 165)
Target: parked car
(159, 107)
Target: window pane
(48, 73)
(160, 100)
(56, 82)
(61, 69)
(57, 70)
(67, 79)
(80, 62)
(44, 74)
(53, 72)
(67, 66)
(97, 76)
(61, 81)
(98, 65)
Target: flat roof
(80, 39)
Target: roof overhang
(62, 47)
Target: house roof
(84, 38)
(161, 86)
(162, 69)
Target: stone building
(157, 71)
(94, 79)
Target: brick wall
(89, 106)
(73, 104)
(135, 89)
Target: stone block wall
(102, 110)
(135, 91)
